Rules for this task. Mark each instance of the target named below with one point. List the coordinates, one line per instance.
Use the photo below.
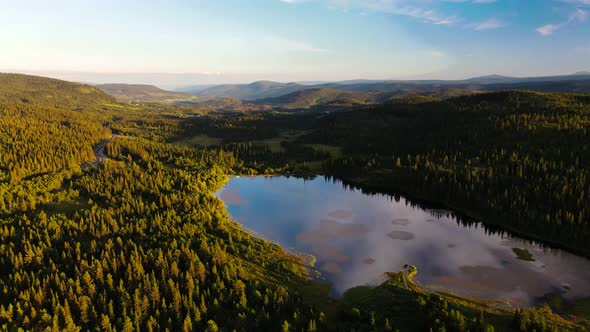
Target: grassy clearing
(200, 140)
(274, 144)
(67, 207)
(126, 106)
(334, 151)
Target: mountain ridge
(269, 89)
(143, 93)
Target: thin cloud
(549, 29)
(578, 16)
(406, 8)
(487, 25)
(395, 7)
(427, 15)
(578, 2)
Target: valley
(138, 240)
(268, 95)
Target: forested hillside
(252, 91)
(138, 243)
(48, 130)
(144, 93)
(47, 92)
(323, 99)
(516, 159)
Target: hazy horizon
(183, 80)
(205, 42)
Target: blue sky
(288, 40)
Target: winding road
(99, 153)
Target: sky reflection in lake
(357, 237)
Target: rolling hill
(308, 98)
(144, 93)
(48, 92)
(571, 86)
(252, 91)
(325, 97)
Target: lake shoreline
(371, 186)
(328, 270)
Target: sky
(193, 42)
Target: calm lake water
(357, 237)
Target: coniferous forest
(138, 242)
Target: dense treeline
(153, 250)
(152, 121)
(35, 141)
(47, 130)
(138, 243)
(515, 159)
(246, 127)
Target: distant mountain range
(268, 89)
(266, 94)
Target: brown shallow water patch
(401, 235)
(344, 230)
(341, 214)
(330, 253)
(232, 197)
(333, 230)
(517, 277)
(401, 222)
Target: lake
(356, 238)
